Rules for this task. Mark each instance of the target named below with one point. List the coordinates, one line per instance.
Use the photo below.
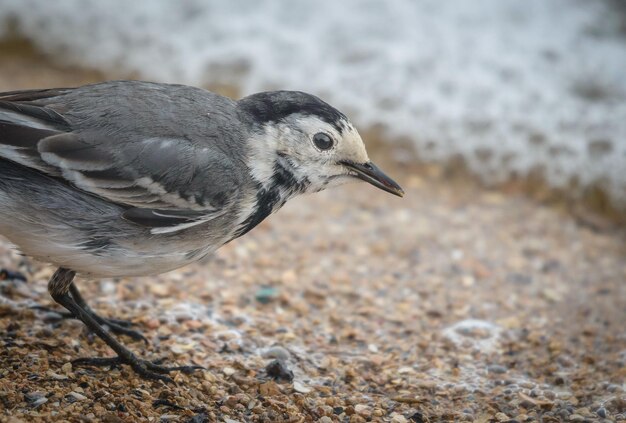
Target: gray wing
(165, 182)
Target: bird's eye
(322, 141)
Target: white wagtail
(129, 178)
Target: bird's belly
(112, 262)
(127, 266)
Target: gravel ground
(456, 303)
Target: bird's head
(301, 140)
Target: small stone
(583, 411)
(35, 399)
(112, 418)
(576, 418)
(160, 290)
(266, 294)
(77, 396)
(501, 417)
(279, 371)
(66, 368)
(496, 368)
(39, 401)
(468, 281)
(363, 410)
(601, 412)
(398, 418)
(325, 419)
(55, 376)
(199, 418)
(301, 388)
(229, 371)
(277, 352)
(269, 389)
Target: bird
(136, 178)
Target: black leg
(59, 287)
(117, 326)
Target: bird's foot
(152, 370)
(121, 327)
(117, 326)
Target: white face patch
(322, 168)
(262, 149)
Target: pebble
(39, 401)
(363, 410)
(77, 396)
(398, 418)
(266, 294)
(55, 376)
(277, 352)
(269, 389)
(601, 412)
(35, 399)
(229, 371)
(279, 371)
(501, 417)
(301, 388)
(496, 368)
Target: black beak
(370, 173)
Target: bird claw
(152, 370)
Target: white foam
(481, 335)
(510, 85)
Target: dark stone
(279, 371)
(199, 418)
(601, 412)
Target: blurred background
(530, 93)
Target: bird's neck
(272, 170)
(276, 181)
(283, 184)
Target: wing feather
(165, 183)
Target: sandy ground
(456, 303)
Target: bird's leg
(59, 289)
(117, 326)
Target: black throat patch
(283, 185)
